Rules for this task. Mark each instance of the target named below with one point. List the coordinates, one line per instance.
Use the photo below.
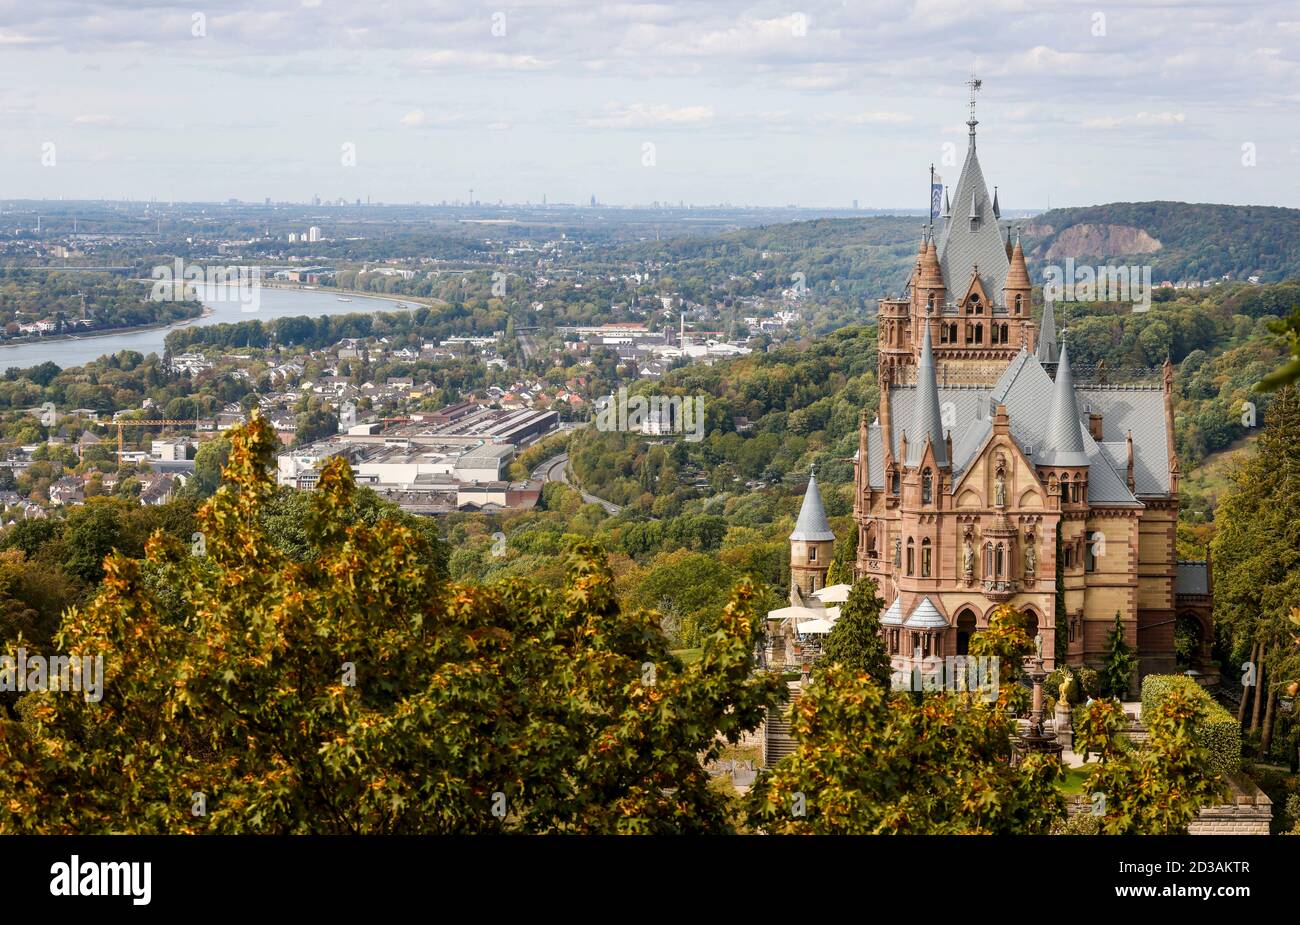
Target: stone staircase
(777, 742)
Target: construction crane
(121, 425)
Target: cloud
(1144, 119)
(639, 115)
(475, 60)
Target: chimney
(1094, 425)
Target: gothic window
(911, 556)
(999, 562)
(1018, 301)
(870, 543)
(929, 304)
(895, 482)
(1089, 562)
(1065, 488)
(993, 334)
(979, 333)
(952, 335)
(988, 560)
(925, 558)
(943, 333)
(1004, 334)
(927, 486)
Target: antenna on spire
(974, 83)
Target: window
(925, 558)
(952, 333)
(993, 334)
(929, 305)
(911, 556)
(976, 306)
(1089, 563)
(893, 642)
(999, 561)
(1018, 301)
(979, 333)
(895, 482)
(1004, 334)
(927, 487)
(812, 553)
(943, 333)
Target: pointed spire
(997, 212)
(927, 423)
(812, 526)
(1047, 351)
(947, 205)
(1063, 442)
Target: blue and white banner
(936, 198)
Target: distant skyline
(748, 103)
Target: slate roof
(960, 248)
(1047, 351)
(925, 616)
(926, 421)
(1192, 578)
(812, 525)
(1063, 440)
(893, 615)
(1026, 389)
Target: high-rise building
(313, 233)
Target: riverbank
(426, 301)
(110, 332)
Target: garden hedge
(1219, 732)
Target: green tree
(855, 640)
(1117, 671)
(208, 464)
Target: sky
(800, 102)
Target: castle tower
(1047, 351)
(811, 545)
(1017, 290)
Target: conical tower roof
(1047, 352)
(926, 420)
(812, 525)
(1018, 273)
(1063, 443)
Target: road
(556, 469)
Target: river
(274, 303)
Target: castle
(991, 474)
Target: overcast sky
(812, 103)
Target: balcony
(1000, 589)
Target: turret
(1017, 290)
(927, 423)
(811, 544)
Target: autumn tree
(1157, 789)
(349, 689)
(870, 762)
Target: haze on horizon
(746, 103)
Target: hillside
(1180, 240)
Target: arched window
(979, 333)
(929, 304)
(1018, 299)
(927, 486)
(1065, 488)
(993, 334)
(999, 564)
(911, 556)
(952, 333)
(976, 306)
(895, 482)
(1004, 334)
(988, 560)
(925, 558)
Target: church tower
(811, 546)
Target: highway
(556, 469)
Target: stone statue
(1000, 489)
(968, 557)
(1031, 557)
(1038, 645)
(898, 553)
